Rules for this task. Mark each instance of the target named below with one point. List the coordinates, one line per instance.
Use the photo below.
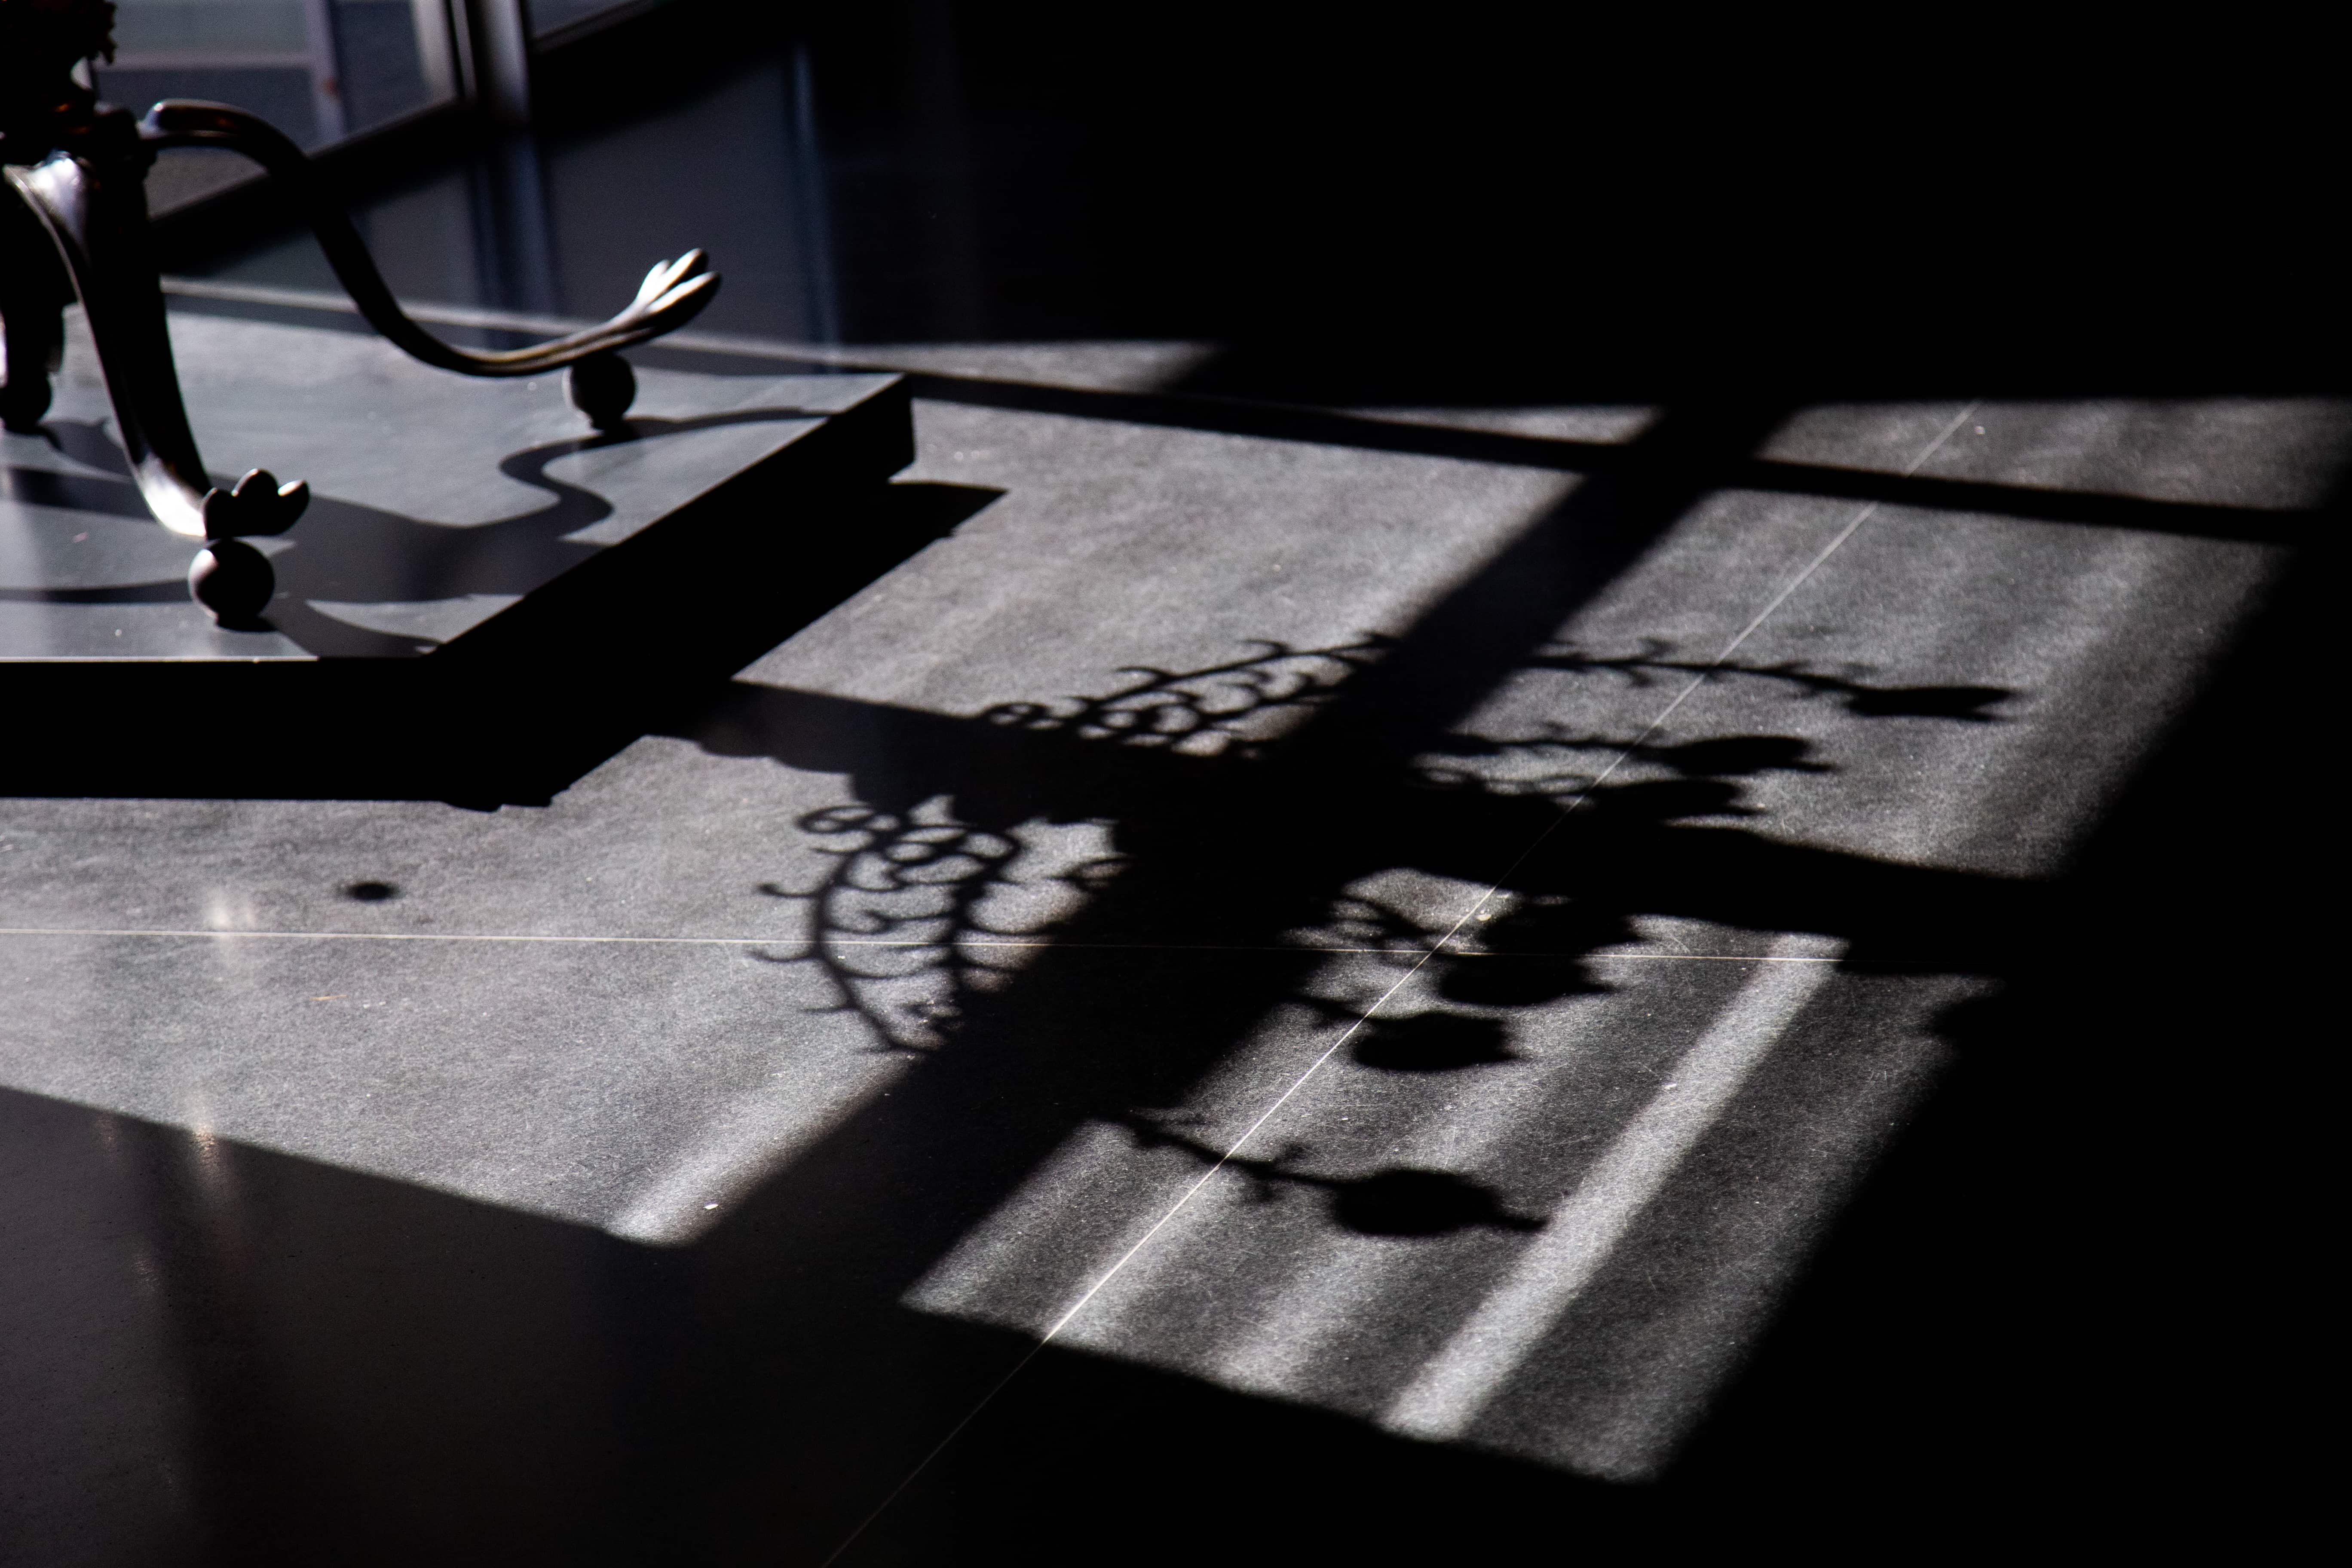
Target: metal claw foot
(259, 506)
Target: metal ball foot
(602, 386)
(234, 581)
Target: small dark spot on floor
(1421, 1203)
(371, 892)
(1431, 1042)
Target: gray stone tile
(596, 1079)
(622, 1088)
(1094, 562)
(2269, 454)
(2262, 453)
(1887, 437)
(1027, 943)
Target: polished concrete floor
(1372, 971)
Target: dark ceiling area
(1589, 205)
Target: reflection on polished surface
(1330, 957)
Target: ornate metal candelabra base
(76, 227)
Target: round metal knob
(602, 386)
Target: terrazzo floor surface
(1396, 960)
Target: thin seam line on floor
(1413, 952)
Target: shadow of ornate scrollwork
(930, 885)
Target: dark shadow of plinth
(520, 706)
(493, 1387)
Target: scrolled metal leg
(92, 201)
(673, 293)
(33, 292)
(73, 221)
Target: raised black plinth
(478, 594)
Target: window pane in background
(317, 69)
(546, 15)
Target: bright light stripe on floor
(1451, 1390)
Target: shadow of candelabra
(1234, 708)
(904, 901)
(936, 888)
(1401, 1201)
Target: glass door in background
(550, 17)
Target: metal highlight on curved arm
(673, 293)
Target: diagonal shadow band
(1368, 433)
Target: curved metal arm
(92, 201)
(673, 293)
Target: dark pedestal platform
(482, 596)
